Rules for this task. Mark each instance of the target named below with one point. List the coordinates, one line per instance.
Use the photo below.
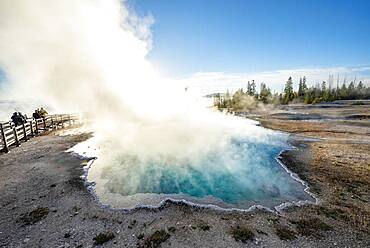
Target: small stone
(26, 240)
(257, 241)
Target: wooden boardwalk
(11, 135)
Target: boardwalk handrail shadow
(13, 135)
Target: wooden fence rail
(13, 135)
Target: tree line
(249, 98)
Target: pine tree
(249, 89)
(351, 90)
(324, 92)
(323, 86)
(360, 86)
(300, 88)
(265, 93)
(304, 85)
(253, 88)
(227, 100)
(343, 91)
(309, 96)
(288, 91)
(360, 90)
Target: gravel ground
(45, 203)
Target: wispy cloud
(221, 81)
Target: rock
(257, 241)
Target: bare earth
(45, 203)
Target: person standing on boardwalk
(43, 112)
(17, 118)
(36, 115)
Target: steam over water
(239, 172)
(152, 139)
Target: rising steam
(90, 56)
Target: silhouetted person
(17, 119)
(14, 117)
(23, 117)
(36, 114)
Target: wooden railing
(13, 135)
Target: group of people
(40, 113)
(18, 118)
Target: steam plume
(89, 56)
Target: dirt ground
(45, 202)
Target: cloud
(209, 82)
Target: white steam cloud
(89, 56)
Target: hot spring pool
(244, 174)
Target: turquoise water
(245, 174)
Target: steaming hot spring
(231, 165)
(152, 140)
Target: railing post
(37, 126)
(16, 136)
(44, 122)
(32, 133)
(24, 132)
(61, 117)
(52, 123)
(6, 148)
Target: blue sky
(249, 36)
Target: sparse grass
(313, 226)
(285, 233)
(156, 239)
(334, 213)
(273, 220)
(35, 216)
(242, 234)
(103, 237)
(203, 226)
